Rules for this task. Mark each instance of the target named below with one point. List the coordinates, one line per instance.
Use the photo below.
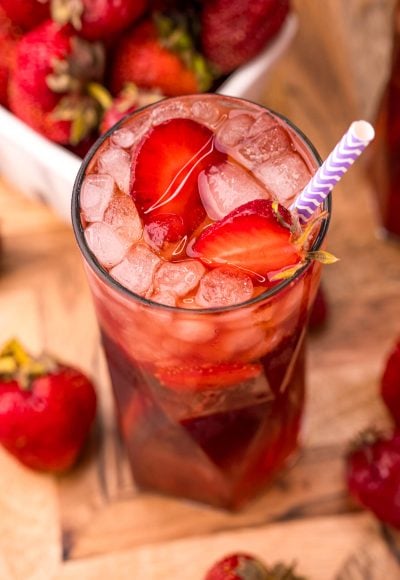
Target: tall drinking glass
(209, 400)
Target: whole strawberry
(97, 19)
(46, 409)
(9, 37)
(159, 56)
(373, 474)
(242, 566)
(390, 384)
(48, 86)
(26, 13)
(233, 31)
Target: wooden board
(93, 523)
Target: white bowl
(46, 171)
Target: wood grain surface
(92, 524)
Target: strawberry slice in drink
(256, 237)
(164, 176)
(202, 377)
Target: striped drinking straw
(349, 148)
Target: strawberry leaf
(322, 256)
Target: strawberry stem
(275, 207)
(322, 256)
(304, 235)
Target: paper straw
(349, 148)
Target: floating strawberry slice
(198, 377)
(165, 172)
(256, 237)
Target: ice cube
(241, 340)
(108, 247)
(285, 176)
(193, 330)
(165, 298)
(95, 196)
(263, 146)
(225, 187)
(136, 271)
(224, 286)
(123, 138)
(168, 111)
(123, 217)
(116, 162)
(233, 131)
(206, 112)
(179, 278)
(262, 124)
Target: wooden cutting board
(93, 523)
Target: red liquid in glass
(221, 458)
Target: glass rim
(103, 274)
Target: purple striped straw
(349, 148)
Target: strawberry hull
(209, 399)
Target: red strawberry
(9, 37)
(46, 409)
(373, 475)
(159, 60)
(245, 567)
(97, 19)
(256, 237)
(47, 86)
(127, 101)
(233, 31)
(165, 171)
(390, 384)
(26, 13)
(319, 311)
(201, 377)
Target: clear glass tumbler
(219, 440)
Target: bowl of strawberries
(70, 69)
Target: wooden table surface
(92, 524)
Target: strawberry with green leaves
(241, 566)
(260, 238)
(46, 409)
(159, 55)
(373, 474)
(48, 87)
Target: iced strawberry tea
(202, 284)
